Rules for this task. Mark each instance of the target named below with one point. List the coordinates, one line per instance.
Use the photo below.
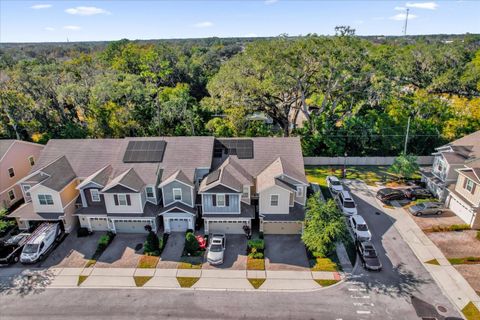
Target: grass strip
(471, 312)
(188, 265)
(255, 264)
(326, 282)
(90, 263)
(141, 280)
(81, 279)
(187, 282)
(256, 282)
(467, 260)
(433, 261)
(324, 264)
(148, 262)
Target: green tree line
(340, 94)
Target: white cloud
(251, 35)
(422, 5)
(400, 8)
(268, 2)
(86, 11)
(49, 29)
(75, 28)
(203, 24)
(402, 16)
(41, 6)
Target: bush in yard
(191, 243)
(405, 166)
(152, 244)
(5, 224)
(324, 224)
(103, 242)
(257, 255)
(257, 244)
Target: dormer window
(274, 200)
(469, 185)
(95, 195)
(122, 199)
(177, 194)
(246, 191)
(220, 200)
(150, 192)
(45, 199)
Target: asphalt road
(402, 290)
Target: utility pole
(406, 137)
(406, 23)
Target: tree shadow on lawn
(26, 283)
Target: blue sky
(38, 21)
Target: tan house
(464, 195)
(16, 160)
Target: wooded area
(355, 94)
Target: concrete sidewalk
(447, 277)
(167, 278)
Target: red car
(201, 242)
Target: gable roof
(463, 149)
(129, 179)
(177, 176)
(100, 177)
(230, 174)
(280, 173)
(55, 175)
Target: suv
(360, 228)
(388, 194)
(345, 203)
(334, 185)
(368, 256)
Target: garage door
(272, 227)
(99, 224)
(178, 224)
(460, 210)
(131, 226)
(232, 227)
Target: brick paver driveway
(121, 252)
(285, 252)
(235, 254)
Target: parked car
(360, 228)
(368, 255)
(345, 203)
(417, 193)
(386, 195)
(11, 249)
(424, 208)
(40, 242)
(312, 189)
(216, 249)
(334, 185)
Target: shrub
(257, 244)
(103, 242)
(258, 255)
(453, 227)
(152, 244)
(191, 243)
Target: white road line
(357, 289)
(363, 312)
(362, 304)
(360, 297)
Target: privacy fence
(360, 161)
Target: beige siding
(69, 193)
(70, 221)
(473, 198)
(16, 158)
(57, 201)
(283, 201)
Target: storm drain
(442, 309)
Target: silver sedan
(425, 208)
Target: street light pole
(345, 166)
(406, 137)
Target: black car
(417, 193)
(388, 194)
(11, 249)
(368, 256)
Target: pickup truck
(11, 249)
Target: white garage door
(460, 210)
(235, 227)
(277, 227)
(178, 224)
(131, 226)
(99, 224)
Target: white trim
(286, 175)
(181, 194)
(178, 208)
(221, 184)
(224, 200)
(278, 200)
(22, 186)
(82, 196)
(97, 195)
(8, 149)
(301, 189)
(161, 185)
(118, 199)
(82, 186)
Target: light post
(345, 165)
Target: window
(45, 199)
(470, 185)
(246, 191)
(274, 200)
(11, 172)
(25, 190)
(299, 191)
(220, 200)
(150, 193)
(31, 159)
(95, 195)
(177, 194)
(11, 195)
(122, 199)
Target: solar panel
(145, 151)
(212, 177)
(242, 148)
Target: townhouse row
(170, 183)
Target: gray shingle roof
(231, 174)
(178, 176)
(129, 179)
(60, 174)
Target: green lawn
(324, 264)
(256, 282)
(369, 174)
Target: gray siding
(168, 193)
(209, 208)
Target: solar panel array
(212, 177)
(242, 148)
(144, 151)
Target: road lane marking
(362, 304)
(359, 297)
(363, 312)
(357, 289)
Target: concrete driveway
(73, 252)
(173, 251)
(285, 252)
(235, 254)
(121, 252)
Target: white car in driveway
(346, 204)
(360, 228)
(334, 185)
(216, 249)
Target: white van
(40, 242)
